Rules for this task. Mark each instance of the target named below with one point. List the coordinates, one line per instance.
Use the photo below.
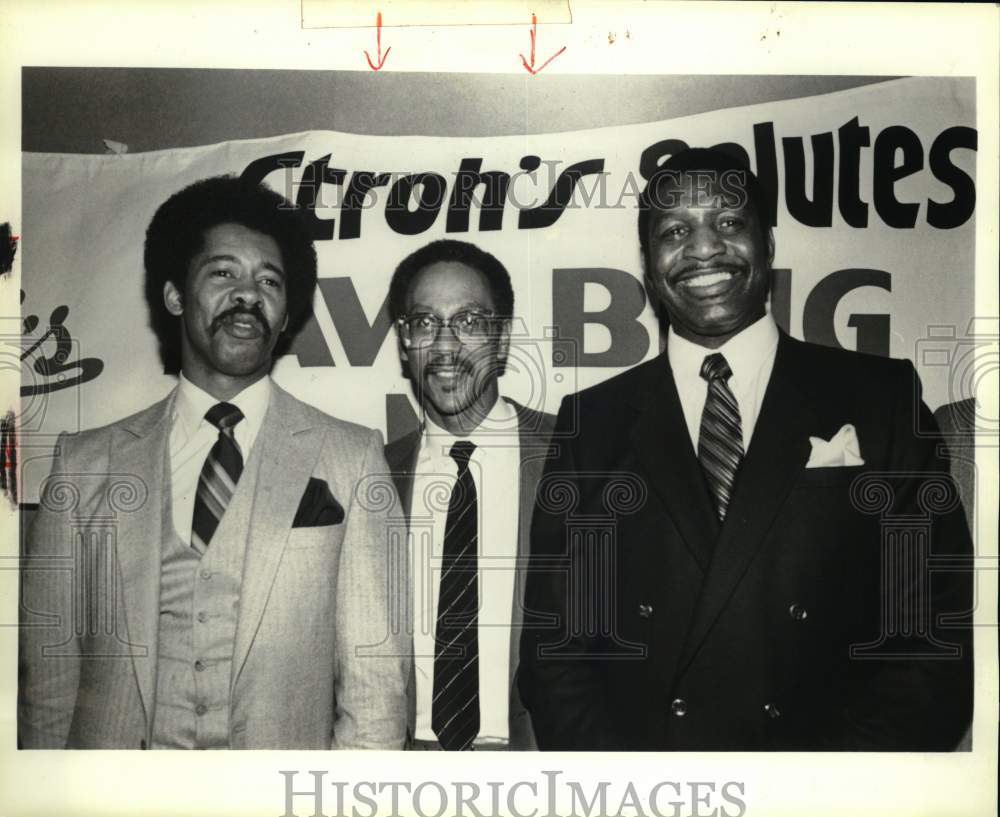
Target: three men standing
(730, 548)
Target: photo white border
(665, 37)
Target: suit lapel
(661, 442)
(139, 450)
(778, 451)
(534, 433)
(289, 448)
(401, 455)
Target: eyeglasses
(469, 327)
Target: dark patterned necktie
(219, 476)
(720, 441)
(455, 707)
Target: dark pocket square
(318, 507)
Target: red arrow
(378, 39)
(530, 66)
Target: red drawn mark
(530, 66)
(8, 457)
(378, 40)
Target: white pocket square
(842, 449)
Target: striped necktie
(720, 441)
(219, 476)
(455, 707)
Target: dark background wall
(70, 110)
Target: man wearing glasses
(467, 481)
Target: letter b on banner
(629, 338)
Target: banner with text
(874, 192)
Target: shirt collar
(193, 402)
(501, 419)
(745, 352)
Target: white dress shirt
(192, 437)
(495, 469)
(750, 355)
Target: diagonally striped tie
(219, 476)
(720, 441)
(455, 707)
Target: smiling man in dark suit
(467, 481)
(778, 568)
(234, 596)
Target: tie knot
(714, 367)
(224, 416)
(461, 452)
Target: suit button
(798, 612)
(772, 711)
(679, 707)
(199, 665)
(200, 709)
(645, 610)
(142, 743)
(206, 575)
(202, 616)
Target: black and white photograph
(382, 381)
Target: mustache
(254, 312)
(733, 265)
(465, 362)
(449, 363)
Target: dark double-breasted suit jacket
(534, 431)
(814, 617)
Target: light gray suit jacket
(535, 432)
(315, 664)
